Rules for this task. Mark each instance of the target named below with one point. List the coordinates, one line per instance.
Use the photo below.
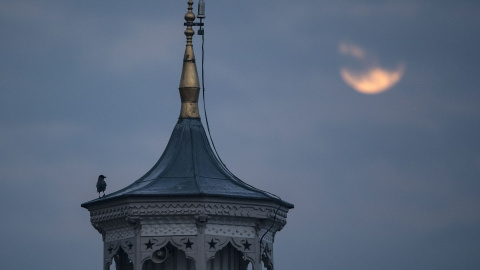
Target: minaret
(189, 211)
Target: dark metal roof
(188, 167)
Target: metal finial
(189, 17)
(189, 83)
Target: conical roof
(189, 168)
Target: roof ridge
(194, 162)
(170, 162)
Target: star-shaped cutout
(247, 245)
(212, 243)
(110, 250)
(188, 244)
(130, 246)
(149, 244)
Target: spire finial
(189, 17)
(189, 83)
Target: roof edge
(100, 201)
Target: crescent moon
(373, 80)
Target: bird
(101, 185)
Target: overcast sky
(379, 181)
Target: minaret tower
(189, 211)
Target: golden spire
(189, 84)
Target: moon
(373, 80)
(363, 72)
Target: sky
(364, 114)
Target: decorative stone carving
(111, 248)
(148, 245)
(201, 221)
(118, 234)
(178, 209)
(267, 256)
(198, 228)
(108, 213)
(168, 229)
(165, 209)
(229, 230)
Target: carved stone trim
(267, 255)
(159, 209)
(165, 209)
(108, 213)
(193, 226)
(111, 248)
(187, 244)
(247, 246)
(230, 230)
(118, 234)
(168, 230)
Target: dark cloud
(388, 181)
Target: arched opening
(228, 258)
(168, 258)
(120, 261)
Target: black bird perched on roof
(101, 185)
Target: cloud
(352, 50)
(368, 173)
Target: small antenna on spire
(201, 16)
(201, 10)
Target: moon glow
(364, 73)
(372, 80)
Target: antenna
(201, 15)
(201, 10)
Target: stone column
(201, 263)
